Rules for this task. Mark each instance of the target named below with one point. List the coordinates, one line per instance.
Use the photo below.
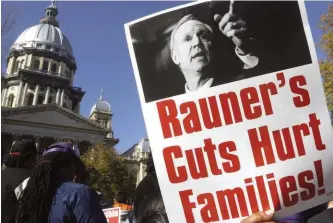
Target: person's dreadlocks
(53, 169)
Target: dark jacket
(324, 217)
(76, 202)
(10, 179)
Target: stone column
(57, 96)
(50, 64)
(4, 97)
(10, 65)
(41, 63)
(25, 61)
(36, 95)
(61, 67)
(109, 124)
(46, 99)
(18, 96)
(29, 60)
(4, 91)
(62, 97)
(25, 89)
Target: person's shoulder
(77, 190)
(14, 176)
(75, 187)
(11, 170)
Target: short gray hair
(184, 19)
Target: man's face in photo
(192, 46)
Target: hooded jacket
(11, 179)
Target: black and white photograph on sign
(214, 43)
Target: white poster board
(112, 215)
(233, 130)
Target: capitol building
(38, 99)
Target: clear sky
(96, 33)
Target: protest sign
(112, 215)
(234, 107)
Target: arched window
(40, 99)
(67, 72)
(10, 100)
(45, 66)
(36, 64)
(54, 68)
(30, 99)
(16, 66)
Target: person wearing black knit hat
(19, 164)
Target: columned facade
(136, 159)
(8, 139)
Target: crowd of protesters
(53, 189)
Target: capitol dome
(101, 106)
(44, 36)
(144, 145)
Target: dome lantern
(51, 13)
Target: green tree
(326, 66)
(108, 173)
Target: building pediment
(50, 115)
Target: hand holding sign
(260, 217)
(233, 27)
(330, 204)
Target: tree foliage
(107, 171)
(326, 66)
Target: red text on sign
(232, 203)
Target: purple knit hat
(62, 147)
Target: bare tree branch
(8, 20)
(7, 25)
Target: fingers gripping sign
(260, 217)
(232, 27)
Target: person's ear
(174, 57)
